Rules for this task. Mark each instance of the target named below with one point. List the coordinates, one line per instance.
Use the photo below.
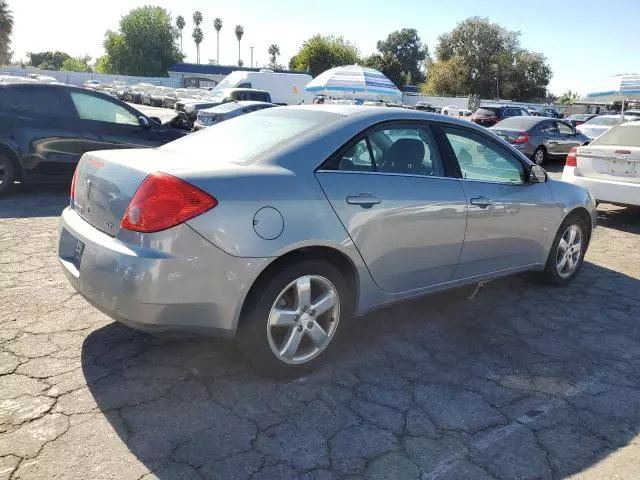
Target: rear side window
(31, 102)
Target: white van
(284, 88)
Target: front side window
(98, 109)
(480, 159)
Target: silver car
(277, 227)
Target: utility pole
(251, 48)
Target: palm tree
(217, 24)
(274, 51)
(180, 24)
(197, 18)
(6, 27)
(197, 38)
(569, 97)
(239, 34)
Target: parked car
(134, 94)
(452, 110)
(45, 129)
(579, 118)
(41, 78)
(609, 167)
(306, 216)
(93, 84)
(489, 116)
(188, 109)
(211, 116)
(426, 107)
(598, 125)
(540, 138)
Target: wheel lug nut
(299, 328)
(312, 313)
(331, 319)
(297, 318)
(309, 324)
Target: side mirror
(143, 122)
(537, 174)
(156, 119)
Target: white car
(609, 167)
(455, 111)
(92, 84)
(600, 124)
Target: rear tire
(286, 333)
(539, 156)
(565, 261)
(7, 175)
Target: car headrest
(404, 156)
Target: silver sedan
(278, 226)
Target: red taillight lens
(72, 194)
(524, 138)
(163, 201)
(572, 158)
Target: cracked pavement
(516, 381)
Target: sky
(583, 40)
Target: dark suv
(45, 129)
(489, 116)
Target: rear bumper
(193, 288)
(624, 193)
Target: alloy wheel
(538, 157)
(4, 173)
(303, 319)
(569, 251)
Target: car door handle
(482, 202)
(365, 200)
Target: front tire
(7, 175)
(567, 252)
(291, 320)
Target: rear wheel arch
(8, 152)
(326, 254)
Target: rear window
(245, 138)
(623, 135)
(486, 112)
(31, 102)
(578, 117)
(517, 123)
(607, 121)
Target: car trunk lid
(612, 162)
(508, 135)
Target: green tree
(217, 24)
(48, 60)
(447, 78)
(405, 47)
(321, 53)
(274, 51)
(569, 98)
(495, 62)
(75, 65)
(180, 24)
(197, 38)
(103, 66)
(6, 27)
(145, 45)
(239, 33)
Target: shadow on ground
(625, 219)
(35, 201)
(512, 381)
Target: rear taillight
(524, 138)
(72, 194)
(572, 158)
(163, 201)
(622, 152)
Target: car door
(390, 189)
(37, 122)
(550, 137)
(108, 124)
(567, 138)
(509, 220)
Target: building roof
(216, 69)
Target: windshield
(230, 80)
(244, 139)
(578, 116)
(604, 121)
(627, 135)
